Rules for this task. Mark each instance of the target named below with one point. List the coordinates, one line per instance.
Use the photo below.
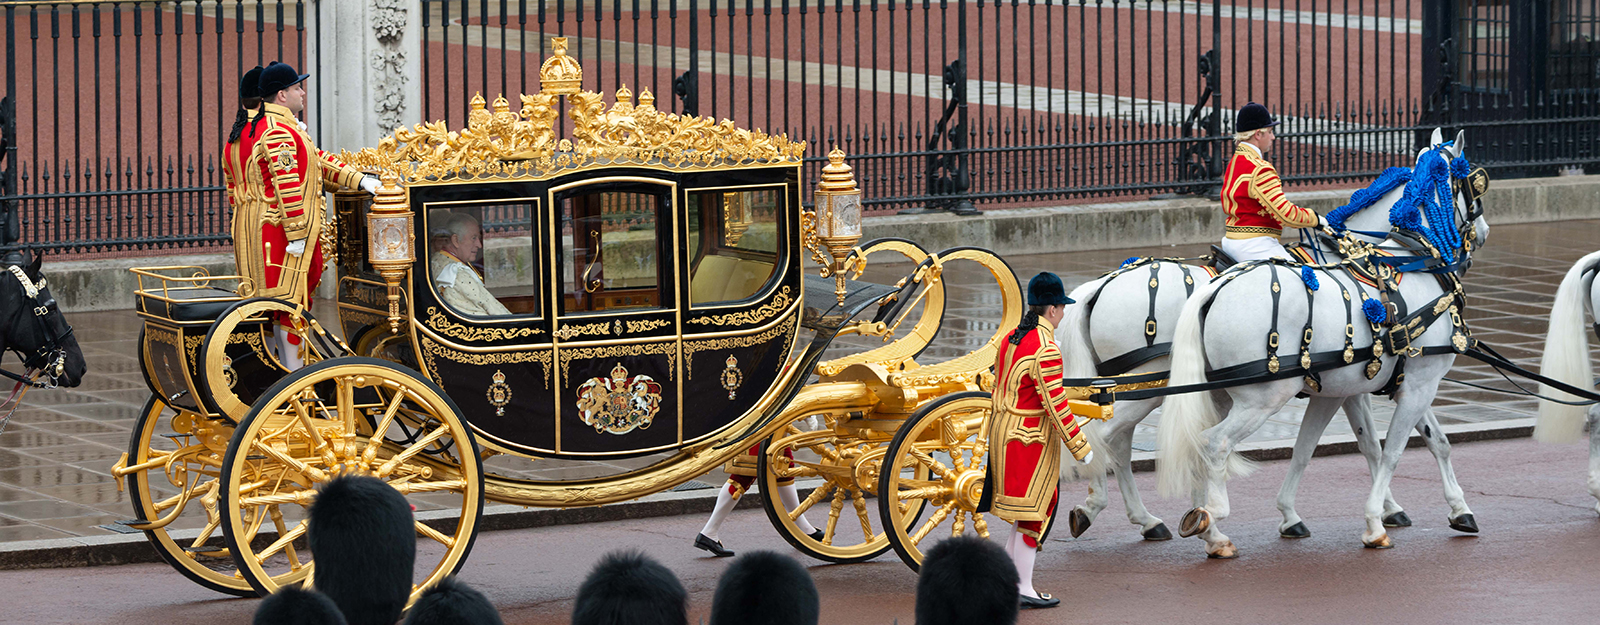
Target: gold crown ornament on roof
(522, 144)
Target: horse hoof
(1225, 552)
(1398, 519)
(1464, 523)
(1298, 530)
(1159, 532)
(1194, 521)
(1078, 522)
(1383, 542)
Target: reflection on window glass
(734, 241)
(608, 247)
(469, 259)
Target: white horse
(1195, 446)
(1566, 359)
(1121, 307)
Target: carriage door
(616, 336)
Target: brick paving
(56, 454)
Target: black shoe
(817, 536)
(1044, 601)
(715, 547)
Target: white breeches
(1254, 248)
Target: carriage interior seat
(190, 304)
(727, 278)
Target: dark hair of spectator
(765, 588)
(629, 588)
(967, 580)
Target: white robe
(461, 289)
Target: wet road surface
(1536, 560)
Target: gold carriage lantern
(837, 217)
(390, 240)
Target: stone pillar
(365, 56)
(369, 55)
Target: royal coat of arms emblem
(499, 393)
(619, 404)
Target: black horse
(33, 325)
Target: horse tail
(1566, 356)
(1186, 416)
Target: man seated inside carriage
(1252, 194)
(458, 250)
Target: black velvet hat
(1253, 117)
(277, 76)
(1046, 289)
(250, 84)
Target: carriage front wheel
(349, 415)
(840, 466)
(938, 460)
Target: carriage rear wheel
(171, 475)
(349, 415)
(939, 458)
(847, 465)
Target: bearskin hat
(629, 588)
(364, 545)
(452, 602)
(765, 588)
(292, 605)
(967, 580)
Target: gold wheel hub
(969, 489)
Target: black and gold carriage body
(686, 284)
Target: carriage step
(204, 549)
(121, 527)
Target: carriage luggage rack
(179, 283)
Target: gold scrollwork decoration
(646, 325)
(670, 350)
(690, 348)
(570, 330)
(766, 311)
(501, 143)
(430, 350)
(437, 321)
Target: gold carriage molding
(502, 144)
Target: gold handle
(591, 285)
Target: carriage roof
(502, 144)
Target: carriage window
(734, 241)
(609, 250)
(472, 252)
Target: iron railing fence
(116, 113)
(942, 103)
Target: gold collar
(278, 110)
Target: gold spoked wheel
(171, 474)
(940, 456)
(349, 415)
(846, 461)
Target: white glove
(296, 247)
(1322, 222)
(1088, 457)
(370, 184)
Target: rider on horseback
(1252, 194)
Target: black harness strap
(1150, 318)
(1272, 330)
(1312, 379)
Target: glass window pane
(474, 252)
(734, 243)
(609, 257)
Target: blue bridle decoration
(1428, 194)
(1310, 278)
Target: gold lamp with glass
(836, 219)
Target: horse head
(1440, 204)
(34, 325)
